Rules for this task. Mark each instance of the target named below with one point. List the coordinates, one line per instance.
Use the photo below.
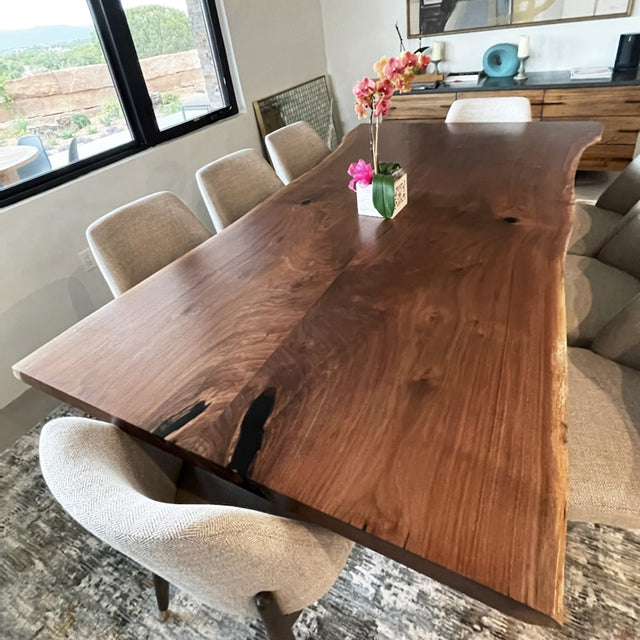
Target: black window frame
(122, 60)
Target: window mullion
(120, 52)
(219, 53)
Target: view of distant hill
(25, 38)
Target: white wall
(43, 288)
(359, 32)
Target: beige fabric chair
(294, 150)
(222, 555)
(136, 240)
(624, 191)
(592, 226)
(622, 248)
(619, 340)
(595, 292)
(603, 417)
(594, 223)
(235, 184)
(509, 109)
(603, 440)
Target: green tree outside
(156, 30)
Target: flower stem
(375, 148)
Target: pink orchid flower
(381, 108)
(423, 62)
(393, 67)
(361, 172)
(364, 88)
(385, 89)
(408, 59)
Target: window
(84, 83)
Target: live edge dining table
(401, 382)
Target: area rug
(57, 581)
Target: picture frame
(427, 18)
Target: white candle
(523, 47)
(436, 51)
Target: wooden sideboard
(553, 96)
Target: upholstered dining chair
(134, 241)
(598, 288)
(240, 561)
(294, 150)
(235, 184)
(594, 223)
(490, 110)
(604, 424)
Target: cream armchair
(238, 560)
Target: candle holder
(521, 75)
(437, 63)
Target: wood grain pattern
(610, 157)
(421, 107)
(617, 130)
(417, 365)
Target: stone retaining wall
(83, 88)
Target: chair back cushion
(595, 293)
(222, 555)
(294, 150)
(508, 109)
(620, 338)
(624, 191)
(592, 227)
(235, 184)
(603, 417)
(622, 248)
(136, 240)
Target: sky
(37, 13)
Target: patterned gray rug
(56, 581)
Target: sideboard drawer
(619, 131)
(606, 157)
(420, 107)
(610, 101)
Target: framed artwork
(430, 17)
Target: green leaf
(384, 199)
(388, 168)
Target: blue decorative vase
(501, 60)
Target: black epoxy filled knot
(252, 431)
(510, 219)
(305, 202)
(178, 420)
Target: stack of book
(591, 73)
(467, 77)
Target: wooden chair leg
(277, 623)
(162, 596)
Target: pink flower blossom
(381, 108)
(424, 61)
(408, 59)
(363, 88)
(361, 172)
(384, 88)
